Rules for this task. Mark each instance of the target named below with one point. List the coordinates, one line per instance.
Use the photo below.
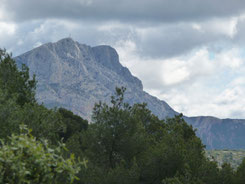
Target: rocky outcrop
(76, 76)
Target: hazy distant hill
(75, 76)
(220, 133)
(234, 157)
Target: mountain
(75, 76)
(219, 133)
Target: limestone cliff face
(76, 76)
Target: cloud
(177, 71)
(168, 40)
(123, 10)
(7, 28)
(195, 84)
(7, 32)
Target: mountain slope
(233, 157)
(75, 76)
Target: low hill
(234, 157)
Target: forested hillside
(234, 157)
(123, 143)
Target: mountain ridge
(56, 64)
(75, 76)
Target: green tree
(209, 172)
(226, 174)
(14, 82)
(18, 104)
(25, 160)
(174, 180)
(73, 123)
(175, 152)
(117, 134)
(73, 128)
(240, 173)
(44, 123)
(113, 141)
(9, 115)
(124, 139)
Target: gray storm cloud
(123, 10)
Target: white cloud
(179, 70)
(197, 27)
(238, 82)
(223, 26)
(231, 101)
(230, 58)
(194, 84)
(174, 72)
(7, 28)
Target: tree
(73, 123)
(113, 141)
(14, 82)
(176, 153)
(45, 123)
(18, 104)
(26, 160)
(240, 173)
(130, 141)
(226, 174)
(116, 132)
(174, 180)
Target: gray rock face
(76, 76)
(219, 133)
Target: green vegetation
(233, 157)
(36, 157)
(25, 160)
(123, 143)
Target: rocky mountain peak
(66, 40)
(76, 76)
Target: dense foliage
(15, 83)
(26, 160)
(128, 144)
(123, 143)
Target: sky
(189, 53)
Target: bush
(25, 160)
